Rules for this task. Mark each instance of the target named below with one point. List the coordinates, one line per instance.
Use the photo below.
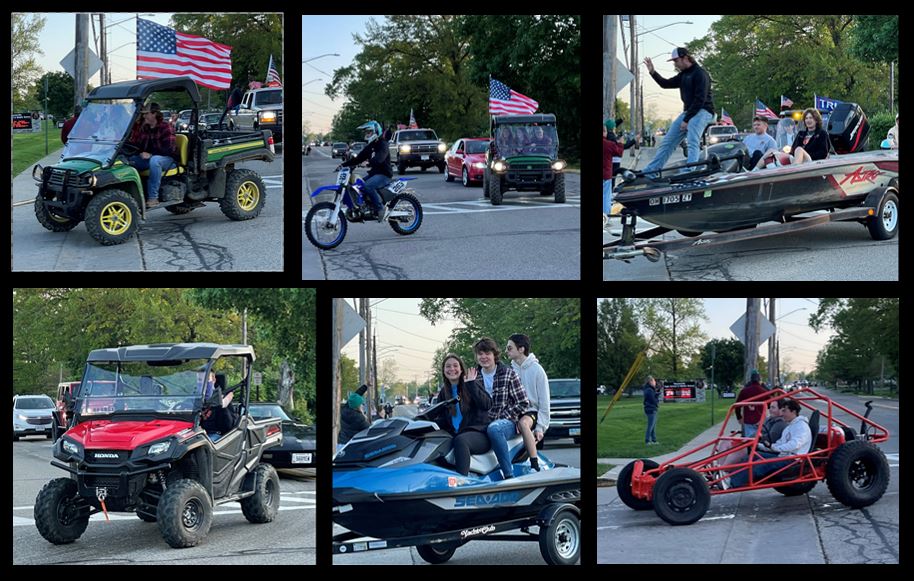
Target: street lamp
(321, 56)
(792, 312)
(664, 26)
(311, 81)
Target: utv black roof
(170, 352)
(142, 89)
(525, 119)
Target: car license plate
(574, 431)
(301, 458)
(424, 158)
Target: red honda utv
(163, 431)
(854, 468)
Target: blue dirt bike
(326, 222)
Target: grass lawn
(621, 435)
(603, 469)
(29, 148)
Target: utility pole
(337, 387)
(362, 366)
(609, 65)
(752, 313)
(374, 358)
(369, 348)
(82, 57)
(635, 113)
(103, 50)
(772, 351)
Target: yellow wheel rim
(116, 218)
(248, 196)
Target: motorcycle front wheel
(320, 231)
(405, 214)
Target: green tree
(618, 342)
(874, 37)
(61, 88)
(24, 46)
(728, 360)
(673, 324)
(349, 373)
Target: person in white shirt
(535, 420)
(794, 440)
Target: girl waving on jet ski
(468, 418)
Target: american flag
(724, 118)
(273, 75)
(762, 110)
(164, 52)
(412, 120)
(504, 101)
(786, 102)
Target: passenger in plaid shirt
(509, 400)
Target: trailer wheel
(560, 542)
(437, 553)
(884, 225)
(857, 474)
(624, 487)
(797, 489)
(681, 496)
(57, 512)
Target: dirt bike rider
(379, 172)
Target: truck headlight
(558, 165)
(499, 166)
(159, 448)
(442, 148)
(70, 447)
(267, 116)
(405, 148)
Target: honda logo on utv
(99, 455)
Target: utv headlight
(499, 166)
(442, 148)
(558, 165)
(159, 448)
(267, 116)
(93, 179)
(70, 447)
(405, 148)
(36, 172)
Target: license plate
(574, 431)
(424, 158)
(301, 458)
(397, 187)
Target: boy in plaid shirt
(509, 400)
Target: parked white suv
(33, 414)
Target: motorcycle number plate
(397, 187)
(424, 158)
(343, 177)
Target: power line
(408, 332)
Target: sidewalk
(24, 188)
(620, 463)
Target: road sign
(69, 63)
(258, 378)
(352, 323)
(623, 75)
(766, 328)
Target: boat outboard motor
(728, 152)
(848, 128)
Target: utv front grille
(102, 481)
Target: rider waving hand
(379, 172)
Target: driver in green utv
(155, 140)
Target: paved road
(528, 237)
(232, 540)
(201, 240)
(835, 251)
(763, 526)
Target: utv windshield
(141, 387)
(515, 140)
(99, 129)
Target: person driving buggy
(379, 172)
(217, 417)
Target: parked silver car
(33, 414)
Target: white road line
(726, 516)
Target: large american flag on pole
(164, 52)
(273, 75)
(504, 101)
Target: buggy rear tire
(57, 512)
(681, 496)
(245, 195)
(798, 489)
(857, 474)
(560, 542)
(437, 553)
(262, 506)
(624, 487)
(185, 513)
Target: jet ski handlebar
(433, 410)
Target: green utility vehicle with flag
(93, 182)
(523, 156)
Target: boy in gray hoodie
(535, 420)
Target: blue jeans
(697, 126)
(499, 432)
(371, 187)
(607, 196)
(157, 165)
(649, 435)
(742, 478)
(750, 430)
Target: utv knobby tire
(56, 512)
(261, 507)
(245, 195)
(50, 220)
(185, 513)
(624, 486)
(437, 553)
(681, 496)
(495, 190)
(559, 188)
(857, 474)
(112, 217)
